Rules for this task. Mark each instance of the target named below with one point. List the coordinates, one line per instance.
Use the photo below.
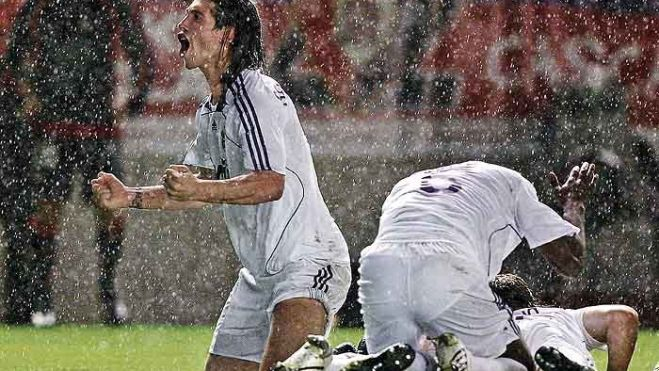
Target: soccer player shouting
(254, 160)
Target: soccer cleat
(344, 348)
(551, 359)
(315, 354)
(394, 358)
(450, 352)
(361, 347)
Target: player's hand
(578, 186)
(109, 192)
(180, 183)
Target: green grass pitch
(73, 347)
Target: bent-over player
(443, 236)
(249, 139)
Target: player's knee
(212, 363)
(624, 317)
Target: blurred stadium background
(385, 88)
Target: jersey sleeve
(262, 128)
(537, 222)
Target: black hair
(513, 290)
(247, 49)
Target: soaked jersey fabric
(475, 209)
(257, 129)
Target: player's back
(468, 206)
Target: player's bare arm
(566, 253)
(617, 327)
(249, 189)
(111, 194)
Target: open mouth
(185, 44)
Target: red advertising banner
(8, 10)
(509, 58)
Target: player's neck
(214, 73)
(214, 79)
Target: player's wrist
(574, 205)
(134, 199)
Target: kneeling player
(561, 339)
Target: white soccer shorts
(412, 290)
(244, 324)
(573, 341)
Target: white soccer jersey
(475, 209)
(562, 329)
(258, 129)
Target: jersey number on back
(436, 184)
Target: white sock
(495, 364)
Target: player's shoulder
(508, 178)
(486, 172)
(258, 88)
(496, 169)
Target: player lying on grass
(561, 339)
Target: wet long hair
(247, 48)
(513, 290)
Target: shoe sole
(550, 359)
(395, 358)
